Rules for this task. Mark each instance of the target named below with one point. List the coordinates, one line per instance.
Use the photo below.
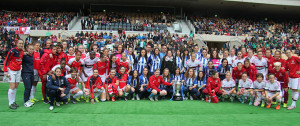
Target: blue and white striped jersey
(133, 83)
(179, 62)
(141, 64)
(154, 62)
(143, 80)
(131, 59)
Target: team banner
(22, 30)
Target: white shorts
(259, 96)
(122, 89)
(14, 76)
(270, 94)
(103, 77)
(294, 83)
(99, 91)
(227, 91)
(247, 94)
(36, 75)
(83, 78)
(72, 91)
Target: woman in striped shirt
(131, 57)
(141, 61)
(154, 61)
(190, 83)
(134, 83)
(179, 61)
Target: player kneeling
(259, 85)
(73, 79)
(111, 84)
(245, 89)
(57, 88)
(94, 88)
(154, 81)
(123, 88)
(228, 87)
(272, 91)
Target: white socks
(78, 94)
(103, 100)
(126, 94)
(10, 96)
(32, 93)
(97, 94)
(295, 96)
(15, 94)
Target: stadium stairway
(77, 25)
(185, 28)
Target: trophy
(177, 91)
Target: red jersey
(292, 65)
(269, 59)
(236, 74)
(13, 60)
(72, 81)
(71, 56)
(251, 72)
(60, 56)
(245, 55)
(102, 67)
(46, 63)
(155, 82)
(120, 63)
(36, 61)
(281, 76)
(282, 61)
(92, 83)
(122, 80)
(83, 56)
(213, 84)
(76, 64)
(110, 80)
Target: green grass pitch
(142, 112)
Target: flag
(24, 30)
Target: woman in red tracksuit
(213, 86)
(250, 69)
(237, 73)
(154, 81)
(111, 85)
(94, 88)
(60, 53)
(282, 77)
(12, 70)
(46, 63)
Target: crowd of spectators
(37, 20)
(135, 20)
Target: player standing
(292, 65)
(46, 63)
(103, 67)
(261, 64)
(36, 66)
